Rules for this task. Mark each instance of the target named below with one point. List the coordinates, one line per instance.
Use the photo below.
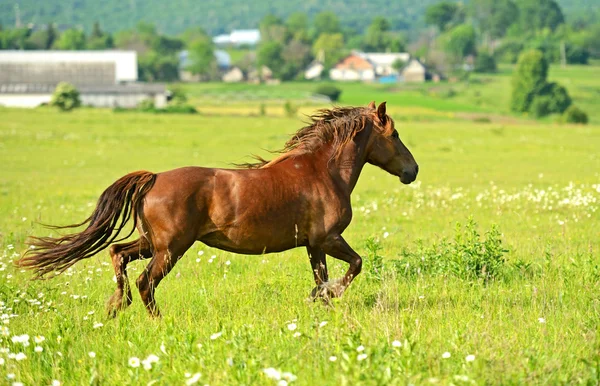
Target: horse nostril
(416, 169)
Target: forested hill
(218, 16)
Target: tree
(297, 25)
(270, 54)
(536, 15)
(332, 47)
(272, 29)
(98, 39)
(528, 79)
(202, 56)
(326, 22)
(460, 42)
(296, 56)
(444, 14)
(71, 39)
(65, 97)
(494, 16)
(377, 38)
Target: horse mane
(337, 126)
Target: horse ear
(381, 112)
(372, 105)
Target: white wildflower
(470, 358)
(92, 354)
(194, 379)
(446, 355)
(38, 349)
(292, 326)
(323, 324)
(332, 358)
(98, 325)
(360, 348)
(216, 335)
(361, 357)
(134, 362)
(39, 339)
(272, 373)
(396, 343)
(20, 356)
(541, 320)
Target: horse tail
(117, 204)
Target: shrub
(290, 109)
(575, 115)
(146, 105)
(374, 266)
(177, 96)
(330, 91)
(485, 63)
(528, 79)
(65, 97)
(467, 257)
(558, 97)
(178, 109)
(540, 107)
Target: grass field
(414, 316)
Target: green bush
(467, 257)
(575, 115)
(540, 107)
(485, 63)
(290, 109)
(178, 96)
(528, 79)
(329, 90)
(146, 105)
(65, 97)
(558, 97)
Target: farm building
(353, 67)
(368, 66)
(222, 58)
(103, 78)
(416, 71)
(383, 62)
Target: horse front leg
(336, 246)
(318, 263)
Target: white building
(103, 78)
(383, 62)
(239, 37)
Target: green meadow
(483, 271)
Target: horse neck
(349, 164)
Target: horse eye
(395, 134)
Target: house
(314, 70)
(384, 62)
(103, 78)
(240, 37)
(222, 58)
(416, 71)
(353, 68)
(234, 75)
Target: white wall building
(103, 78)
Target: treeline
(288, 46)
(460, 38)
(499, 30)
(158, 58)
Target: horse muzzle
(409, 175)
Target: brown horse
(300, 198)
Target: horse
(301, 198)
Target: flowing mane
(337, 125)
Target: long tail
(117, 204)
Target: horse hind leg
(161, 264)
(121, 255)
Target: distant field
(410, 318)
(483, 94)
